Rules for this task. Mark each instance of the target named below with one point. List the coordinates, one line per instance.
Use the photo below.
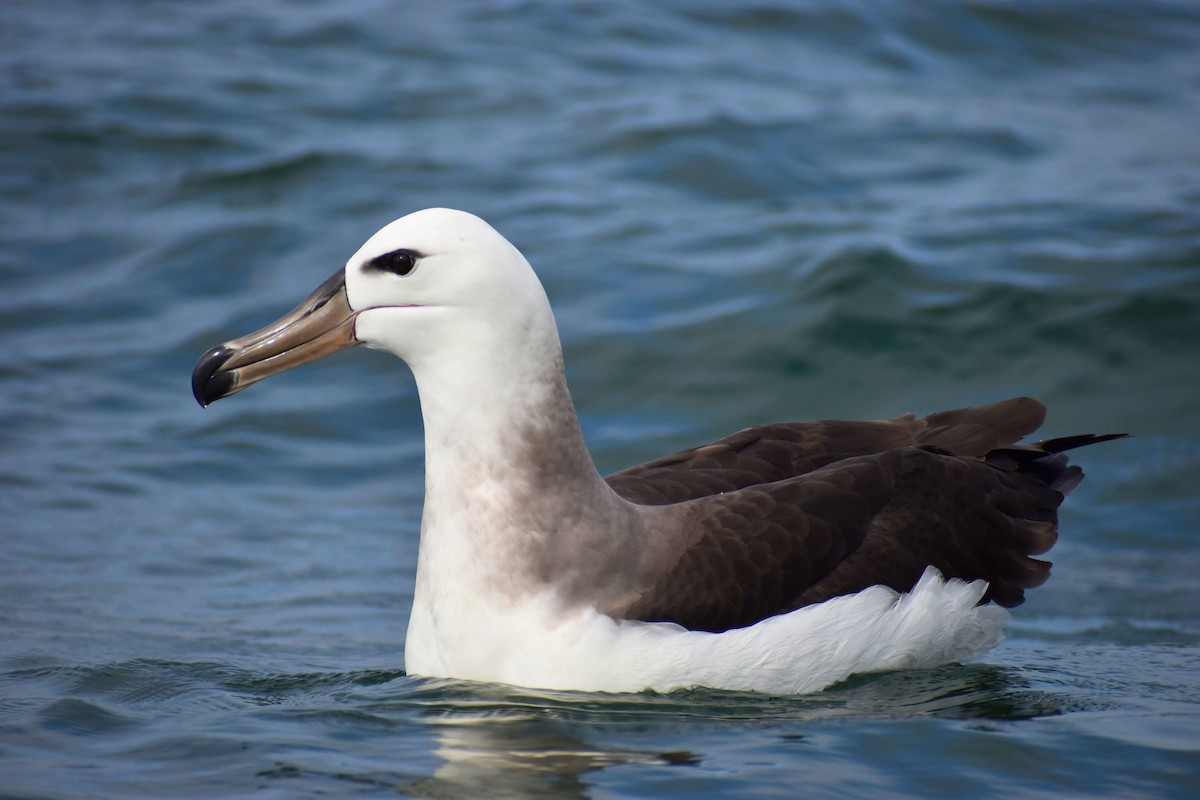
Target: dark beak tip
(208, 383)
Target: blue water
(742, 213)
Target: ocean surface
(742, 213)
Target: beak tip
(208, 383)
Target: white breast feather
(806, 650)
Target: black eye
(398, 262)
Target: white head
(439, 279)
(436, 284)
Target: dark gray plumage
(796, 513)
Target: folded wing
(793, 514)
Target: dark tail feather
(1064, 443)
(1045, 460)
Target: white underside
(538, 646)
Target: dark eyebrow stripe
(376, 262)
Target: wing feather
(770, 453)
(784, 516)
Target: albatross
(783, 558)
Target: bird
(783, 558)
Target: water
(741, 214)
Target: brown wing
(770, 453)
(863, 521)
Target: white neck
(511, 493)
(496, 418)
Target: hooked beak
(322, 324)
